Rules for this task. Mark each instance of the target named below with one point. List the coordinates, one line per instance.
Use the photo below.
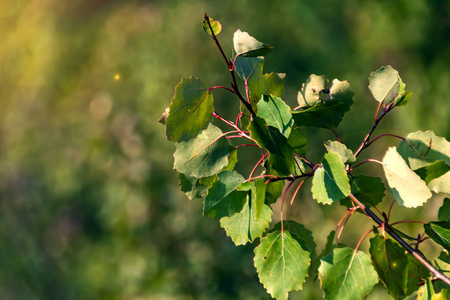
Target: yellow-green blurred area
(90, 207)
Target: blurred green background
(89, 204)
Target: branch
(439, 275)
(230, 66)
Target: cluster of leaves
(286, 254)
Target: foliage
(284, 255)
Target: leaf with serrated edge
(347, 275)
(276, 114)
(203, 156)
(391, 264)
(282, 264)
(408, 188)
(223, 199)
(190, 111)
(330, 181)
(424, 148)
(386, 85)
(248, 46)
(244, 226)
(339, 148)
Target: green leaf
(223, 200)
(439, 232)
(444, 211)
(424, 148)
(327, 113)
(330, 245)
(339, 148)
(215, 25)
(281, 153)
(192, 186)
(312, 91)
(367, 189)
(259, 196)
(403, 99)
(330, 182)
(297, 140)
(273, 189)
(418, 270)
(432, 171)
(391, 264)
(386, 85)
(245, 226)
(276, 114)
(248, 46)
(346, 274)
(232, 159)
(203, 156)
(275, 83)
(408, 188)
(246, 67)
(190, 111)
(282, 264)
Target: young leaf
(346, 274)
(439, 232)
(391, 264)
(330, 182)
(370, 190)
(190, 111)
(223, 199)
(215, 25)
(276, 114)
(203, 156)
(408, 188)
(245, 226)
(444, 211)
(339, 148)
(329, 112)
(275, 83)
(386, 85)
(248, 46)
(282, 263)
(424, 148)
(281, 154)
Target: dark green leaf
(424, 148)
(259, 196)
(386, 85)
(346, 274)
(439, 232)
(432, 171)
(408, 188)
(190, 111)
(245, 226)
(391, 264)
(276, 114)
(203, 156)
(330, 182)
(369, 190)
(297, 140)
(275, 83)
(273, 189)
(419, 271)
(281, 153)
(444, 211)
(223, 200)
(248, 46)
(246, 67)
(282, 264)
(192, 186)
(215, 25)
(339, 148)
